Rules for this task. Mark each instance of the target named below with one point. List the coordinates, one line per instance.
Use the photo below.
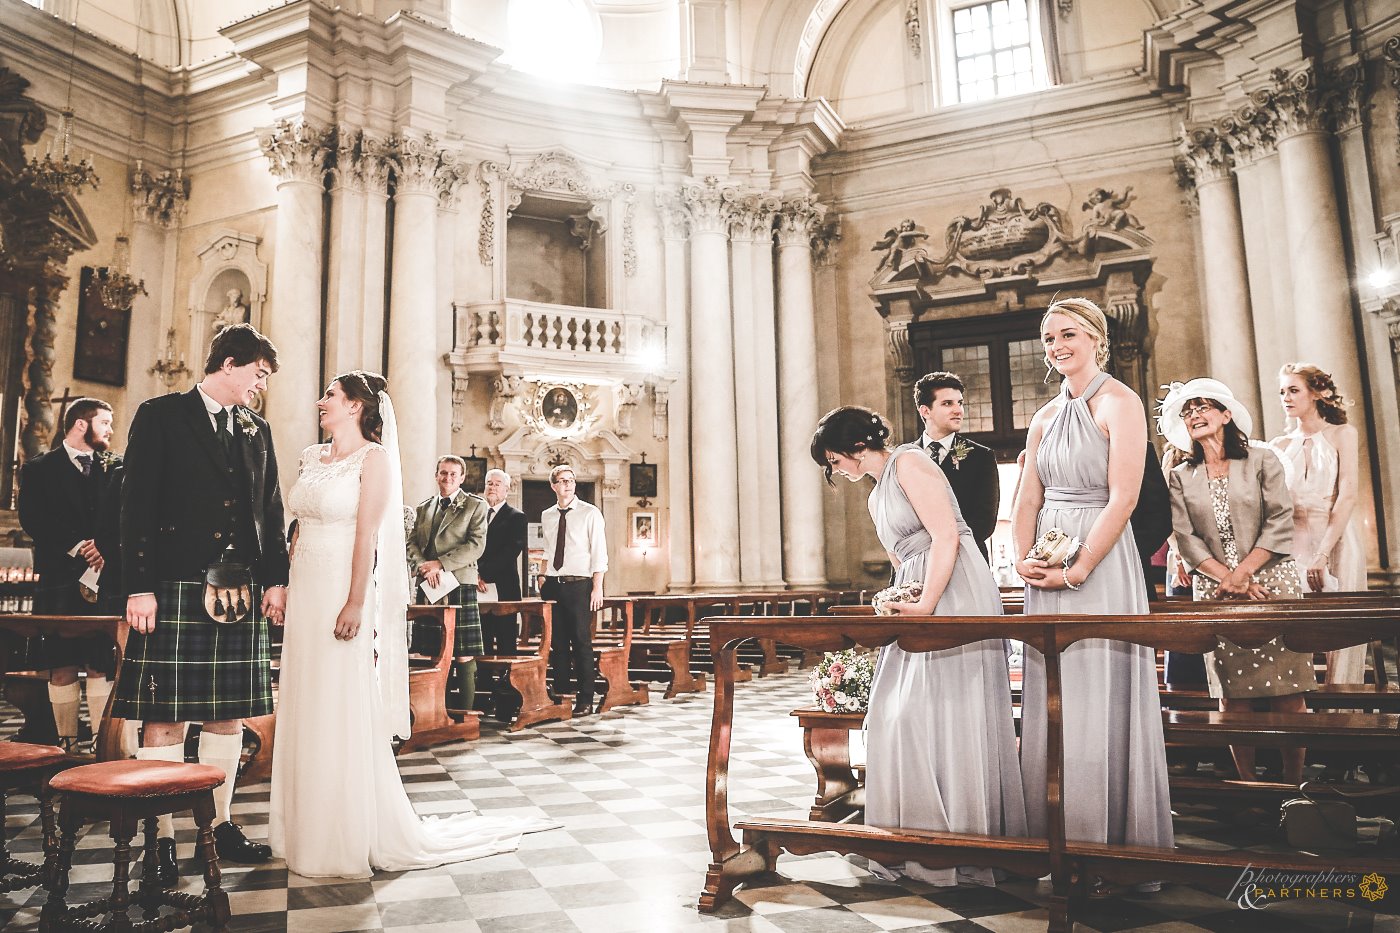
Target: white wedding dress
(339, 808)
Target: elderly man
(576, 557)
(499, 565)
(449, 534)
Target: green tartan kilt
(191, 669)
(468, 641)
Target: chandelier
(117, 288)
(61, 176)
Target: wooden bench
(1071, 864)
(525, 675)
(612, 648)
(427, 687)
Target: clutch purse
(1054, 547)
(228, 591)
(903, 593)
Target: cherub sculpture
(1110, 210)
(896, 242)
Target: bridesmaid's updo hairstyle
(848, 430)
(1088, 316)
(364, 387)
(1330, 403)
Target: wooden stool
(28, 768)
(123, 792)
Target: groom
(201, 488)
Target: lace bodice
(327, 494)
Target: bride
(339, 808)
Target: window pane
(962, 20)
(1029, 392)
(979, 16)
(997, 38)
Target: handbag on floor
(1310, 824)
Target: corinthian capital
(159, 198)
(675, 218)
(1311, 99)
(296, 150)
(422, 167)
(709, 205)
(1205, 154)
(799, 220)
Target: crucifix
(64, 400)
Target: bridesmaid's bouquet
(1054, 547)
(903, 593)
(841, 682)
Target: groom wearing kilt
(205, 566)
(449, 533)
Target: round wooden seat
(22, 756)
(137, 779)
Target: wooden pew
(612, 648)
(25, 625)
(427, 687)
(1071, 864)
(525, 675)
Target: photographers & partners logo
(1256, 889)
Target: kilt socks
(468, 639)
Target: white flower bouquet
(903, 593)
(841, 682)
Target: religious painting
(643, 528)
(642, 481)
(99, 353)
(475, 479)
(559, 408)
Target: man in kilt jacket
(201, 488)
(449, 533)
(62, 497)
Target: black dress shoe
(167, 875)
(583, 709)
(233, 846)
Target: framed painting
(642, 481)
(475, 480)
(99, 351)
(643, 528)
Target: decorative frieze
(159, 197)
(297, 150)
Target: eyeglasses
(1201, 409)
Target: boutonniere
(106, 459)
(958, 452)
(246, 422)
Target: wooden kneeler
(525, 676)
(427, 688)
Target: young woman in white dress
(339, 808)
(1320, 466)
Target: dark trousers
(571, 652)
(499, 634)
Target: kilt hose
(46, 652)
(191, 669)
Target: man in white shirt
(970, 467)
(576, 557)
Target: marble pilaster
(348, 250)
(804, 542)
(765, 398)
(297, 152)
(158, 202)
(741, 263)
(675, 400)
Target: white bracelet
(1064, 575)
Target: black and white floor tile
(628, 787)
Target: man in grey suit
(449, 534)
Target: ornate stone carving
(897, 348)
(486, 174)
(1390, 54)
(296, 150)
(824, 241)
(660, 411)
(159, 198)
(708, 204)
(1202, 157)
(896, 241)
(913, 29)
(504, 390)
(674, 215)
(799, 220)
(461, 378)
(629, 230)
(628, 395)
(1306, 100)
(1110, 210)
(422, 167)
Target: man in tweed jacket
(201, 485)
(449, 533)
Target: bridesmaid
(940, 740)
(1083, 471)
(1320, 466)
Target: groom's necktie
(84, 463)
(559, 538)
(221, 428)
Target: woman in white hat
(1233, 519)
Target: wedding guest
(62, 496)
(499, 565)
(1084, 462)
(970, 467)
(1181, 669)
(448, 535)
(1320, 457)
(576, 551)
(1233, 521)
(940, 738)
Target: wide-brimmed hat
(1169, 423)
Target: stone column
(672, 404)
(297, 152)
(347, 254)
(422, 173)
(1229, 318)
(1321, 283)
(741, 260)
(374, 172)
(158, 204)
(804, 543)
(714, 451)
(765, 400)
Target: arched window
(990, 48)
(559, 39)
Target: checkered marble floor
(628, 787)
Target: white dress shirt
(585, 542)
(946, 444)
(213, 407)
(73, 456)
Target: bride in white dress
(339, 808)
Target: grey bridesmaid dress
(1115, 758)
(940, 740)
